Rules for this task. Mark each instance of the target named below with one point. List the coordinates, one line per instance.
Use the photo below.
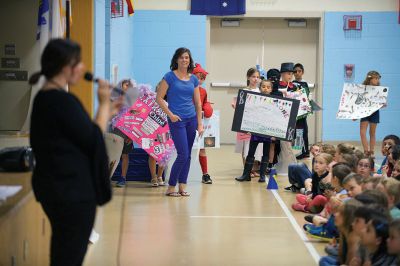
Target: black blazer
(71, 159)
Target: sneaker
(206, 179)
(291, 188)
(318, 232)
(121, 182)
(309, 218)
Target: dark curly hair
(178, 53)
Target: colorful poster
(210, 138)
(147, 125)
(358, 101)
(265, 115)
(305, 108)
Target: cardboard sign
(265, 115)
(211, 135)
(147, 125)
(358, 101)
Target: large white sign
(358, 101)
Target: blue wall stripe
(377, 47)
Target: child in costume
(201, 74)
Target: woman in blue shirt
(184, 115)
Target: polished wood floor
(226, 223)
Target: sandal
(154, 182)
(184, 193)
(161, 181)
(173, 194)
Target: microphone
(89, 77)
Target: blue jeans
(183, 134)
(328, 261)
(298, 173)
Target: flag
(131, 10)
(218, 7)
(51, 21)
(57, 19)
(42, 34)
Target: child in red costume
(201, 74)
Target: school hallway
(226, 223)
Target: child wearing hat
(207, 109)
(286, 85)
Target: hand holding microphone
(104, 95)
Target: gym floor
(227, 223)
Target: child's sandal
(154, 182)
(161, 182)
(173, 194)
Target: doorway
(268, 42)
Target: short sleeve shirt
(180, 95)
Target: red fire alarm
(352, 22)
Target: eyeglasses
(364, 165)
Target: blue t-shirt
(180, 95)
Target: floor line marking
(239, 217)
(300, 232)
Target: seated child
(387, 143)
(374, 239)
(365, 166)
(298, 173)
(352, 183)
(371, 182)
(335, 196)
(393, 242)
(315, 202)
(391, 188)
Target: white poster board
(211, 135)
(358, 101)
(114, 146)
(265, 115)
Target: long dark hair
(57, 54)
(177, 54)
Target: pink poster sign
(147, 125)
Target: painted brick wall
(376, 48)
(156, 36)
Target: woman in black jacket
(71, 175)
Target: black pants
(302, 124)
(253, 147)
(71, 225)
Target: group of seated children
(350, 204)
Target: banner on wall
(218, 7)
(146, 124)
(358, 101)
(211, 135)
(265, 115)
